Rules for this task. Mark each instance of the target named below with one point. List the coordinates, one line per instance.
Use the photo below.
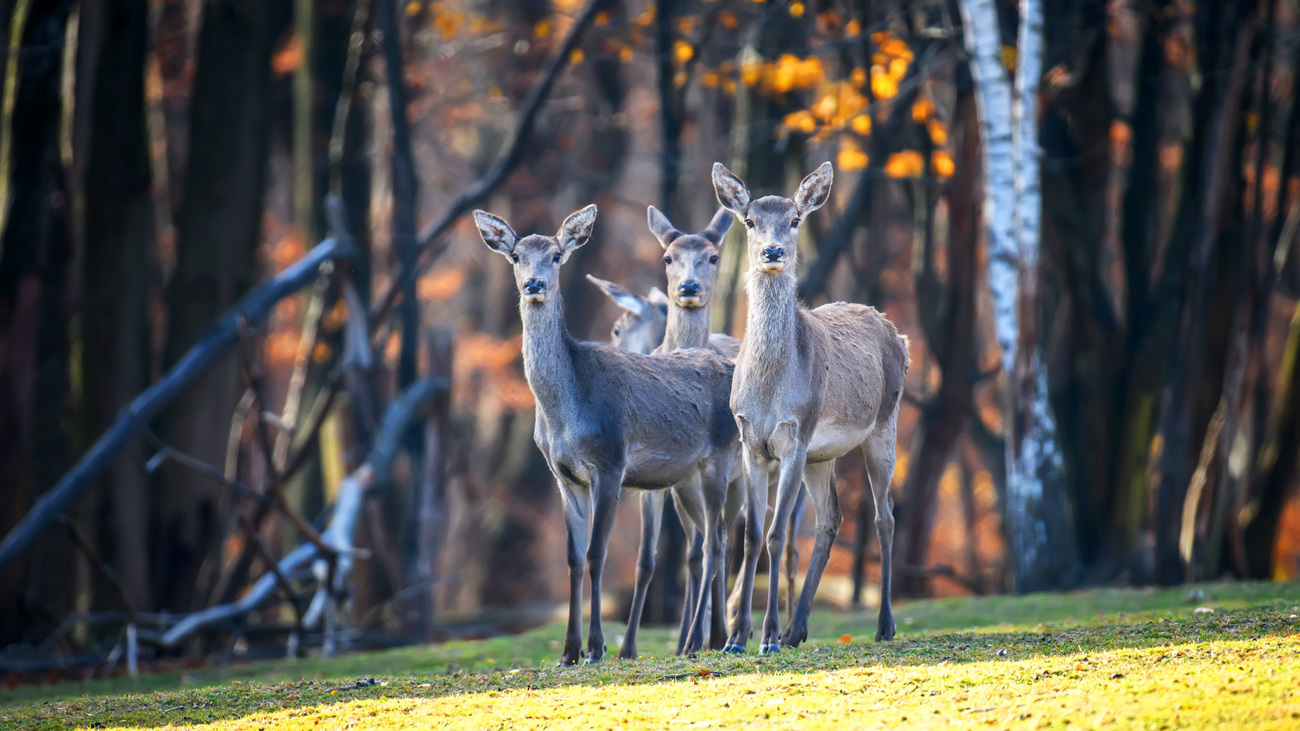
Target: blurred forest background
(161, 158)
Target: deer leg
(604, 495)
(730, 513)
(792, 548)
(878, 454)
(652, 516)
(577, 519)
(690, 506)
(694, 572)
(819, 479)
(792, 467)
(755, 513)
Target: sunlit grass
(1102, 657)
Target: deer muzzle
(534, 290)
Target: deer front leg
(755, 513)
(792, 548)
(878, 454)
(819, 480)
(604, 495)
(577, 519)
(652, 516)
(792, 466)
(694, 570)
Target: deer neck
(688, 327)
(770, 323)
(548, 353)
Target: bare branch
(214, 343)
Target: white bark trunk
(1013, 210)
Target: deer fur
(810, 386)
(607, 418)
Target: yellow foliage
(729, 86)
(576, 56)
(683, 51)
(801, 120)
(413, 8)
(862, 124)
(905, 164)
(751, 72)
(727, 19)
(851, 101)
(879, 37)
(1009, 57)
(625, 54)
(602, 18)
(542, 28)
(796, 9)
(942, 164)
(882, 84)
(897, 69)
(895, 47)
(686, 24)
(711, 79)
(851, 156)
(826, 107)
(447, 24)
(852, 28)
(858, 77)
(922, 110)
(938, 132)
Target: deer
(690, 261)
(810, 385)
(607, 419)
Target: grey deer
(607, 418)
(691, 266)
(810, 386)
(691, 261)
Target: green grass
(1127, 658)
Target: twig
(215, 342)
(167, 452)
(274, 566)
(103, 568)
(512, 156)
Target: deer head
(773, 221)
(691, 260)
(641, 327)
(537, 259)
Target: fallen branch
(205, 353)
(337, 535)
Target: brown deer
(810, 385)
(607, 418)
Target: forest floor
(1222, 655)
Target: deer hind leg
(792, 469)
(652, 517)
(755, 513)
(604, 495)
(694, 576)
(577, 520)
(792, 548)
(819, 479)
(717, 476)
(878, 454)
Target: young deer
(607, 418)
(640, 328)
(691, 261)
(810, 385)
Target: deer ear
(621, 296)
(657, 297)
(732, 194)
(661, 227)
(815, 189)
(496, 233)
(717, 228)
(576, 230)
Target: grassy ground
(1159, 659)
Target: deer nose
(690, 289)
(533, 285)
(773, 253)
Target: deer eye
(749, 223)
(514, 257)
(617, 330)
(794, 223)
(713, 259)
(557, 257)
(668, 260)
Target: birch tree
(1036, 511)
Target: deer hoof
(734, 649)
(590, 661)
(769, 648)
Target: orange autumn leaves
(843, 108)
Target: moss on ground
(1127, 658)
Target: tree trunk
(219, 227)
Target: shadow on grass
(235, 700)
